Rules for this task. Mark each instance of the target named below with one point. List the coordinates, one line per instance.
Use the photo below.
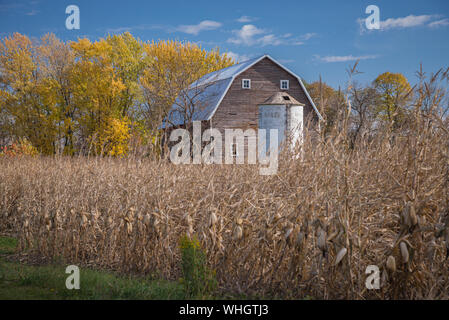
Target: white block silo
(284, 113)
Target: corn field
(312, 229)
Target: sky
(315, 38)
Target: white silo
(283, 112)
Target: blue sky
(312, 38)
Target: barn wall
(169, 144)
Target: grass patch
(19, 281)
(7, 245)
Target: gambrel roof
(207, 93)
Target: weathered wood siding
(239, 108)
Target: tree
(83, 96)
(57, 62)
(328, 101)
(172, 67)
(129, 60)
(395, 92)
(98, 92)
(364, 102)
(23, 102)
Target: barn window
(284, 84)
(234, 150)
(246, 84)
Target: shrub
(22, 148)
(198, 279)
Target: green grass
(21, 281)
(7, 245)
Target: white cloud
(406, 22)
(118, 30)
(307, 36)
(238, 57)
(250, 35)
(19, 8)
(195, 29)
(329, 59)
(246, 35)
(439, 23)
(270, 39)
(32, 12)
(246, 19)
(10, 6)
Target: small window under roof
(286, 98)
(285, 85)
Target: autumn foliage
(84, 97)
(22, 148)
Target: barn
(258, 93)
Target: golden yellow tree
(172, 66)
(395, 92)
(97, 91)
(84, 96)
(57, 62)
(22, 94)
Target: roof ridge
(242, 62)
(209, 76)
